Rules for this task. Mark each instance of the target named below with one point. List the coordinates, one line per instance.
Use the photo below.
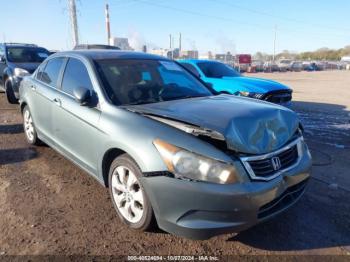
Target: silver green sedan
(170, 149)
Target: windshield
(133, 82)
(217, 70)
(26, 54)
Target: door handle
(57, 101)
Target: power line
(305, 23)
(268, 28)
(200, 14)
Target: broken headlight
(251, 94)
(185, 164)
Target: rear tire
(128, 195)
(29, 127)
(10, 94)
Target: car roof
(98, 54)
(21, 45)
(195, 61)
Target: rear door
(75, 126)
(42, 95)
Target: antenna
(73, 20)
(108, 26)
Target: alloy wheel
(28, 125)
(127, 194)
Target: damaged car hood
(248, 125)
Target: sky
(238, 26)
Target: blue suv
(16, 61)
(225, 79)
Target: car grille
(265, 168)
(269, 166)
(278, 97)
(287, 198)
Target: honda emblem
(276, 163)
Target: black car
(16, 61)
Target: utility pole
(108, 27)
(171, 46)
(180, 42)
(274, 44)
(73, 21)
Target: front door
(75, 126)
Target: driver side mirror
(82, 95)
(2, 59)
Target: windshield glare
(132, 82)
(26, 55)
(217, 70)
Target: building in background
(207, 56)
(122, 43)
(188, 54)
(160, 52)
(225, 58)
(171, 54)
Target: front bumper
(200, 210)
(280, 97)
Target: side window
(75, 75)
(51, 72)
(40, 71)
(191, 68)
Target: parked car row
(192, 146)
(288, 65)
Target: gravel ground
(48, 206)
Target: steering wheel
(167, 90)
(144, 92)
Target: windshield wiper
(142, 102)
(183, 97)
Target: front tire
(29, 127)
(10, 94)
(128, 195)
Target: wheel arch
(23, 105)
(107, 160)
(5, 78)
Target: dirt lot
(49, 206)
